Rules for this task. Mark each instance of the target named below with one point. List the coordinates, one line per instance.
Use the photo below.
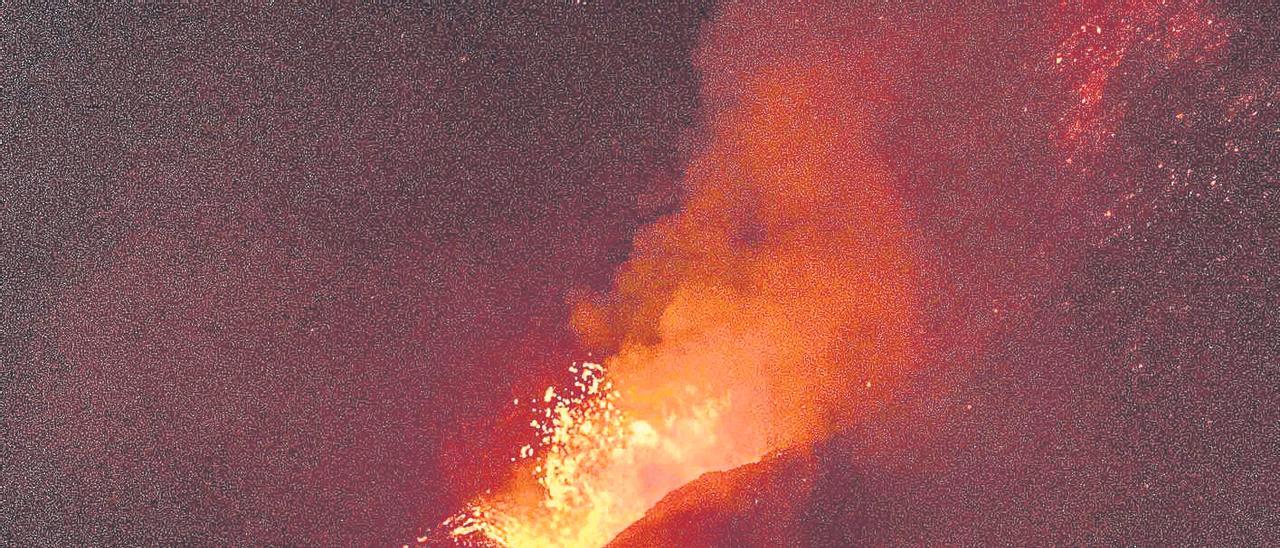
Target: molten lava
(597, 467)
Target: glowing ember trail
(597, 467)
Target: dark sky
(273, 275)
(257, 265)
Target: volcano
(938, 284)
(688, 273)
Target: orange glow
(773, 309)
(597, 468)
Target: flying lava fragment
(696, 273)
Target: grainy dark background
(267, 273)
(271, 275)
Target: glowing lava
(777, 306)
(597, 467)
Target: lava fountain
(774, 307)
(597, 467)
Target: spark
(587, 478)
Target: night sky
(274, 275)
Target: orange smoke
(785, 281)
(776, 306)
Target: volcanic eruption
(784, 303)
(609, 274)
(772, 308)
